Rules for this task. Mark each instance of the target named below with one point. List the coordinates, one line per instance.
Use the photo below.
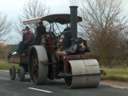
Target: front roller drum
(83, 73)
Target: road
(53, 88)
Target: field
(4, 65)
(119, 74)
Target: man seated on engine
(26, 41)
(40, 31)
(82, 46)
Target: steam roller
(77, 70)
(56, 56)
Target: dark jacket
(67, 39)
(40, 30)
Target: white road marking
(114, 86)
(41, 90)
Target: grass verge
(4, 65)
(118, 74)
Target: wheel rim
(68, 70)
(34, 68)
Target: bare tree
(4, 25)
(103, 22)
(32, 9)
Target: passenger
(40, 30)
(28, 36)
(26, 41)
(82, 46)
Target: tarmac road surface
(53, 88)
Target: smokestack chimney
(73, 20)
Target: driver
(40, 30)
(67, 38)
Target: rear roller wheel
(82, 73)
(12, 72)
(39, 70)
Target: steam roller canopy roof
(60, 18)
(57, 18)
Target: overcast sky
(12, 8)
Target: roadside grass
(4, 65)
(118, 74)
